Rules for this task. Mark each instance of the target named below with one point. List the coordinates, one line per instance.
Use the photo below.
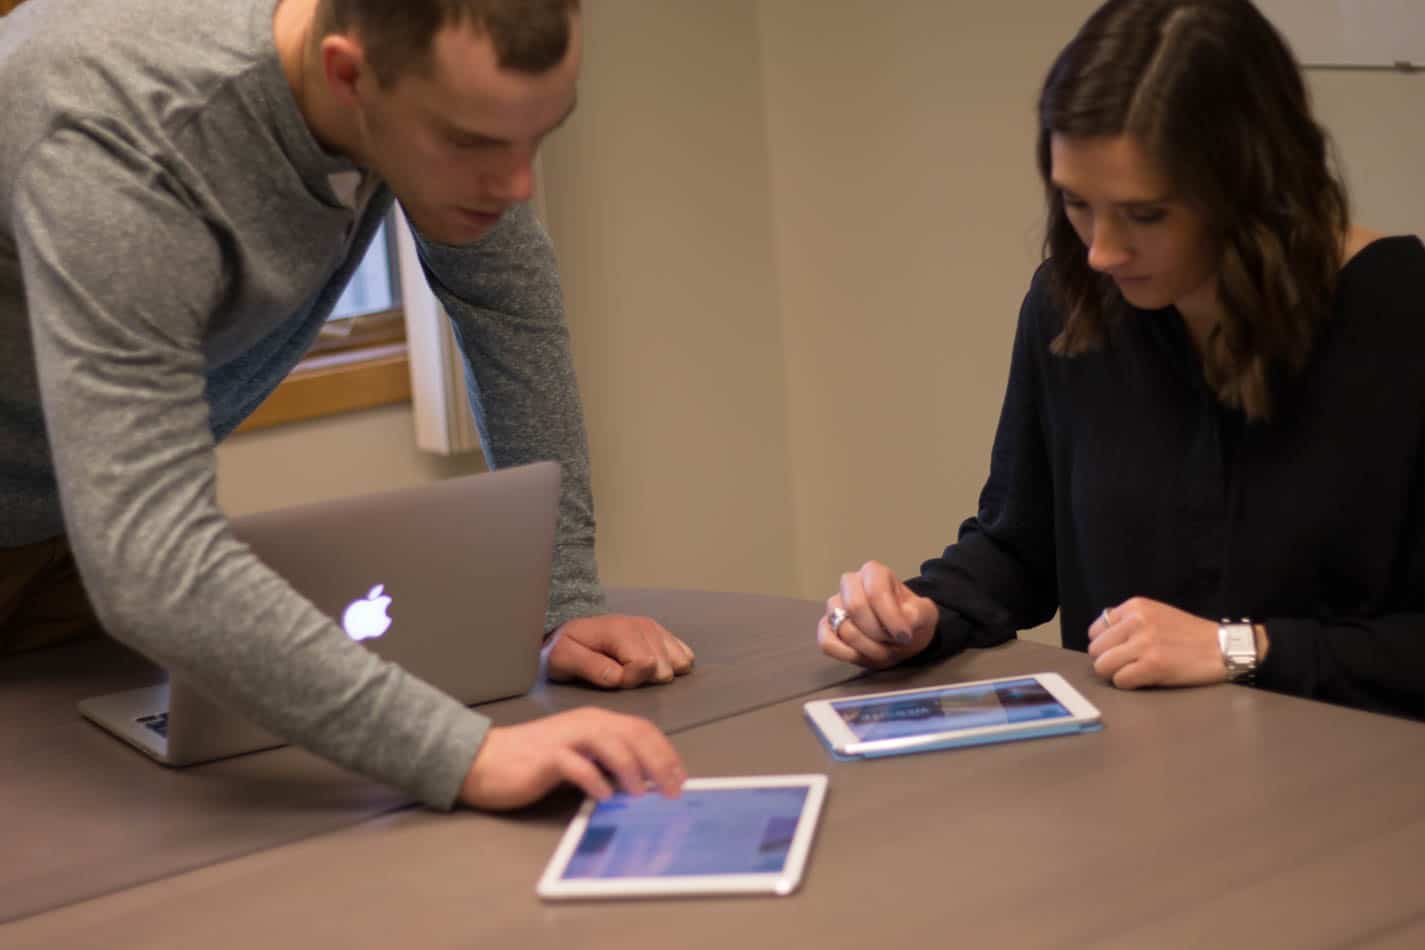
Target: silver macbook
(450, 580)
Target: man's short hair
(529, 36)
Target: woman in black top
(1216, 403)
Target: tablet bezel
(827, 721)
(554, 887)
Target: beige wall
(906, 209)
(657, 195)
(1377, 119)
(346, 455)
(794, 236)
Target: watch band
(1238, 643)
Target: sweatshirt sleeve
(120, 276)
(1373, 658)
(504, 300)
(999, 575)
(1375, 663)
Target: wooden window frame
(357, 363)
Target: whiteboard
(1352, 32)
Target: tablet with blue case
(951, 716)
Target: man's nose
(514, 184)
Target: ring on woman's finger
(1107, 620)
(836, 618)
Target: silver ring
(1107, 620)
(836, 618)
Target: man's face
(1137, 230)
(456, 142)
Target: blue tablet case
(1057, 729)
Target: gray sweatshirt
(170, 243)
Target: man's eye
(1149, 216)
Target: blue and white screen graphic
(961, 707)
(705, 832)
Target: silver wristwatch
(1238, 642)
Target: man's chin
(452, 229)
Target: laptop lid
(450, 580)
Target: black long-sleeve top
(1118, 474)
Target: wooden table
(1221, 816)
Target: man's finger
(675, 651)
(684, 662)
(569, 659)
(639, 667)
(577, 770)
(657, 757)
(660, 643)
(622, 641)
(615, 754)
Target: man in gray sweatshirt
(184, 190)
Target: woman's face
(1154, 245)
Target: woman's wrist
(1259, 630)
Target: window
(375, 286)
(360, 359)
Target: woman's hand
(1143, 642)
(885, 623)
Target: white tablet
(942, 717)
(721, 836)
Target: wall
(344, 455)
(657, 195)
(1377, 119)
(907, 221)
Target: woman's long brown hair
(1213, 93)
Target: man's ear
(344, 65)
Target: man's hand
(885, 623)
(616, 651)
(585, 747)
(1143, 642)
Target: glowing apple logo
(366, 618)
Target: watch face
(1238, 642)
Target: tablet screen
(950, 709)
(703, 832)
